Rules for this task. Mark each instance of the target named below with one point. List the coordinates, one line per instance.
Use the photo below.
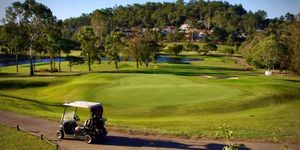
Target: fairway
(166, 98)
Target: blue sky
(63, 9)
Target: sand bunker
(221, 77)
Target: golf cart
(93, 128)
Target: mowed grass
(11, 139)
(190, 99)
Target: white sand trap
(233, 78)
(209, 77)
(221, 77)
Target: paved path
(117, 141)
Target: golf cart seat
(86, 125)
(70, 126)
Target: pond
(26, 61)
(176, 60)
(160, 59)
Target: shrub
(176, 49)
(46, 70)
(73, 60)
(192, 47)
(202, 51)
(228, 51)
(210, 47)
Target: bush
(73, 60)
(176, 49)
(210, 47)
(228, 51)
(192, 47)
(46, 70)
(202, 51)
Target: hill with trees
(31, 29)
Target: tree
(176, 49)
(260, 17)
(149, 52)
(86, 38)
(218, 34)
(15, 39)
(53, 47)
(249, 23)
(210, 47)
(34, 17)
(66, 46)
(174, 36)
(100, 22)
(247, 46)
(113, 47)
(136, 45)
(293, 41)
(72, 25)
(268, 52)
(73, 60)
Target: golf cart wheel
(88, 139)
(59, 134)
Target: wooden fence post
(18, 127)
(57, 146)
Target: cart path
(117, 141)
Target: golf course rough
(11, 139)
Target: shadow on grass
(60, 74)
(212, 68)
(180, 73)
(4, 74)
(296, 81)
(21, 84)
(44, 74)
(266, 101)
(153, 143)
(39, 103)
(187, 70)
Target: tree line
(227, 21)
(30, 28)
(278, 46)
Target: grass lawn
(190, 99)
(18, 140)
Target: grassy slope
(166, 98)
(17, 140)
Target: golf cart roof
(82, 104)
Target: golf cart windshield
(68, 116)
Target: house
(184, 27)
(168, 29)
